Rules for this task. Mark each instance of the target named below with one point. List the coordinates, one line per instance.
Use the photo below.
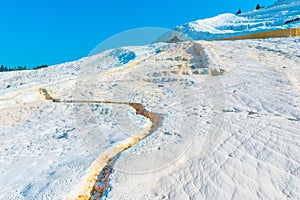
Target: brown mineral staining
(97, 184)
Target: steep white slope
(226, 25)
(254, 151)
(47, 148)
(231, 136)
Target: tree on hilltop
(258, 7)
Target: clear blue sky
(35, 32)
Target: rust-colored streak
(102, 183)
(290, 32)
(98, 183)
(155, 118)
(45, 93)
